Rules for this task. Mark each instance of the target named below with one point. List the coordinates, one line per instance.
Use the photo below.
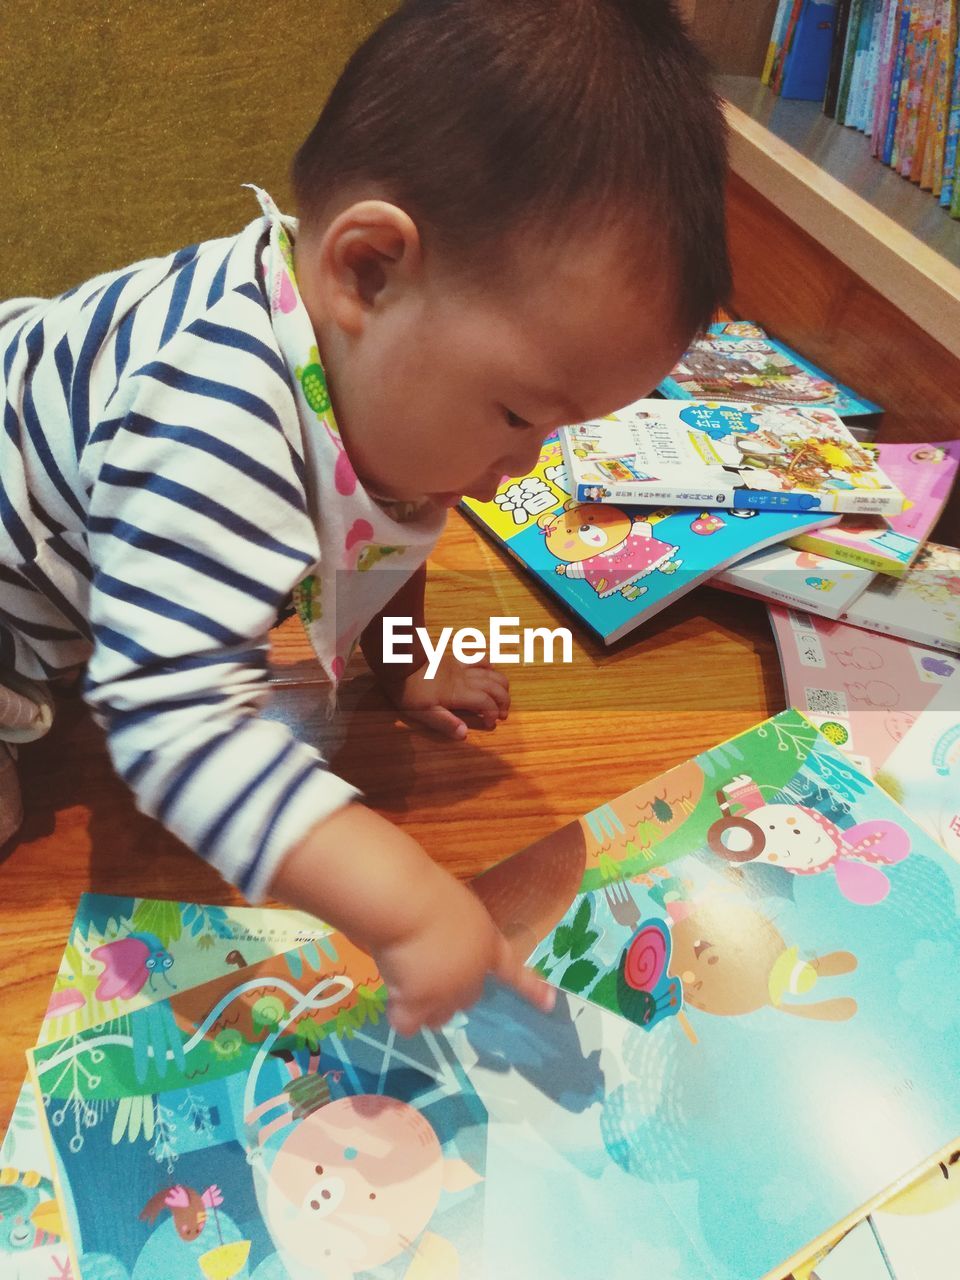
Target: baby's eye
(514, 420)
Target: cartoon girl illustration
(804, 842)
(606, 547)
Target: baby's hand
(455, 687)
(440, 966)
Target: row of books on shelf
(889, 68)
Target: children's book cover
(923, 605)
(799, 579)
(806, 69)
(122, 954)
(737, 360)
(862, 691)
(923, 772)
(925, 474)
(614, 567)
(765, 914)
(710, 454)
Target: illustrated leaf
(562, 940)
(579, 975)
(120, 1121)
(583, 944)
(543, 967)
(582, 919)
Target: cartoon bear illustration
(732, 960)
(606, 547)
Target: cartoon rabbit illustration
(606, 547)
(355, 1181)
(732, 960)
(805, 842)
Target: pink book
(862, 691)
(925, 474)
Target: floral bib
(367, 550)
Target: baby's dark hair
(482, 118)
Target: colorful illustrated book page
(923, 772)
(799, 579)
(761, 913)
(611, 566)
(925, 475)
(715, 454)
(863, 691)
(730, 939)
(122, 954)
(737, 360)
(923, 605)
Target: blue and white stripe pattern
(153, 521)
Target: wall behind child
(127, 128)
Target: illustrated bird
(188, 1207)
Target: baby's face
(448, 389)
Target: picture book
(923, 772)
(722, 939)
(925, 475)
(953, 126)
(891, 20)
(690, 898)
(710, 454)
(808, 64)
(862, 691)
(849, 57)
(611, 566)
(122, 954)
(923, 605)
(897, 85)
(734, 360)
(777, 32)
(836, 58)
(798, 579)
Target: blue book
(805, 76)
(896, 82)
(616, 566)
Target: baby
(511, 216)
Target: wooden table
(576, 736)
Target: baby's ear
(570, 504)
(547, 520)
(458, 1175)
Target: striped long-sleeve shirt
(153, 520)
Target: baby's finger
(526, 982)
(441, 720)
(479, 701)
(498, 690)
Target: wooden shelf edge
(913, 277)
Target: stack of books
(889, 68)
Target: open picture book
(732, 941)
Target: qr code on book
(825, 702)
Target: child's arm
(454, 687)
(432, 938)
